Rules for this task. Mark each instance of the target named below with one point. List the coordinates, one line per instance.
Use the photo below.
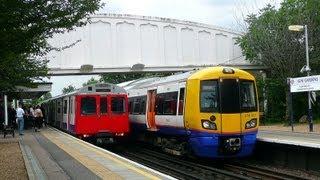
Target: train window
(166, 103)
(247, 96)
(130, 105)
(159, 104)
(181, 101)
(229, 91)
(118, 105)
(209, 96)
(143, 105)
(136, 105)
(70, 105)
(88, 105)
(65, 106)
(103, 105)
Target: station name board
(302, 84)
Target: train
(210, 113)
(98, 112)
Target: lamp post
(307, 68)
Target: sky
(223, 13)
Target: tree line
(269, 43)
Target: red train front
(97, 111)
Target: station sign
(302, 84)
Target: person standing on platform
(38, 118)
(20, 113)
(31, 117)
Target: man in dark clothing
(12, 117)
(1, 116)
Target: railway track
(260, 172)
(185, 169)
(180, 169)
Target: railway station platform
(290, 138)
(297, 150)
(51, 154)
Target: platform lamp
(306, 68)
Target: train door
(65, 113)
(104, 114)
(87, 123)
(180, 105)
(230, 106)
(118, 113)
(151, 122)
(59, 115)
(71, 123)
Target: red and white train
(97, 111)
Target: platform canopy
(33, 93)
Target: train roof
(100, 88)
(155, 81)
(221, 71)
(205, 73)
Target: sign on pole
(302, 84)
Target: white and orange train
(211, 112)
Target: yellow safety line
(94, 166)
(118, 161)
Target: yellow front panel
(207, 116)
(192, 109)
(247, 117)
(192, 112)
(231, 123)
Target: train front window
(118, 105)
(247, 96)
(103, 105)
(209, 96)
(229, 92)
(88, 105)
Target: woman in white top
(20, 113)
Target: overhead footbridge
(125, 43)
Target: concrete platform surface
(51, 154)
(291, 138)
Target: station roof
(33, 93)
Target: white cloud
(225, 13)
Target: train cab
(97, 111)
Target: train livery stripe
(179, 130)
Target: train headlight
(206, 124)
(251, 124)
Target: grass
(316, 121)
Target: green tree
(116, 78)
(90, 82)
(268, 42)
(68, 89)
(25, 26)
(39, 100)
(46, 96)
